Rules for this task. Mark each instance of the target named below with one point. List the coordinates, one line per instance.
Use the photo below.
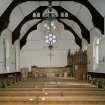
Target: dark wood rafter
(16, 33)
(97, 19)
(78, 40)
(23, 40)
(85, 33)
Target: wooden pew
(52, 93)
(82, 100)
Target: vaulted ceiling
(17, 16)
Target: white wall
(99, 5)
(3, 5)
(101, 67)
(7, 59)
(1, 56)
(95, 33)
(17, 55)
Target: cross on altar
(50, 56)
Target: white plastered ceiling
(77, 9)
(27, 26)
(3, 5)
(75, 27)
(98, 4)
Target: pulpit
(80, 71)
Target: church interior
(52, 52)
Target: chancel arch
(23, 38)
(34, 27)
(36, 45)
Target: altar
(50, 72)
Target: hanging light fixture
(50, 39)
(49, 25)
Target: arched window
(66, 14)
(7, 51)
(95, 53)
(62, 14)
(38, 14)
(34, 15)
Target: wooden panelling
(80, 71)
